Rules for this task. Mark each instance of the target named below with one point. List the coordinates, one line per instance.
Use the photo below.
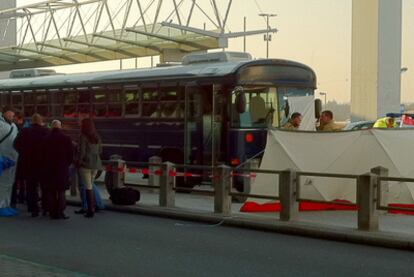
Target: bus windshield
(265, 106)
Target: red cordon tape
(247, 175)
(109, 168)
(183, 174)
(173, 173)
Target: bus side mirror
(318, 108)
(240, 102)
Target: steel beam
(162, 37)
(113, 49)
(82, 52)
(46, 53)
(131, 42)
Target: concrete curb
(312, 230)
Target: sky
(314, 32)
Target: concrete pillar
(222, 186)
(384, 189)
(376, 58)
(287, 195)
(366, 200)
(247, 180)
(167, 185)
(154, 180)
(118, 175)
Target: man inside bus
(327, 123)
(168, 108)
(294, 122)
(258, 109)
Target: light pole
(267, 36)
(324, 95)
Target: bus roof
(216, 69)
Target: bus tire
(240, 186)
(109, 181)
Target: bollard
(167, 185)
(118, 177)
(366, 200)
(247, 180)
(154, 180)
(287, 195)
(383, 188)
(222, 185)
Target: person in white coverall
(8, 132)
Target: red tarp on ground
(253, 207)
(305, 206)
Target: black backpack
(124, 196)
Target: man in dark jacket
(59, 156)
(29, 143)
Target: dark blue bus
(213, 108)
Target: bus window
(114, 96)
(114, 103)
(99, 110)
(29, 104)
(43, 110)
(169, 104)
(56, 100)
(5, 98)
(41, 98)
(99, 103)
(42, 105)
(131, 103)
(99, 97)
(17, 101)
(84, 100)
(70, 97)
(69, 111)
(284, 93)
(29, 110)
(29, 98)
(84, 97)
(69, 100)
(261, 104)
(150, 103)
(114, 110)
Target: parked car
(367, 124)
(359, 125)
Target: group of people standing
(44, 157)
(326, 122)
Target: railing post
(287, 195)
(154, 180)
(383, 187)
(366, 200)
(222, 186)
(118, 176)
(247, 180)
(167, 185)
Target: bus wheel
(109, 181)
(240, 186)
(176, 156)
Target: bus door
(193, 129)
(201, 138)
(217, 124)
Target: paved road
(116, 244)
